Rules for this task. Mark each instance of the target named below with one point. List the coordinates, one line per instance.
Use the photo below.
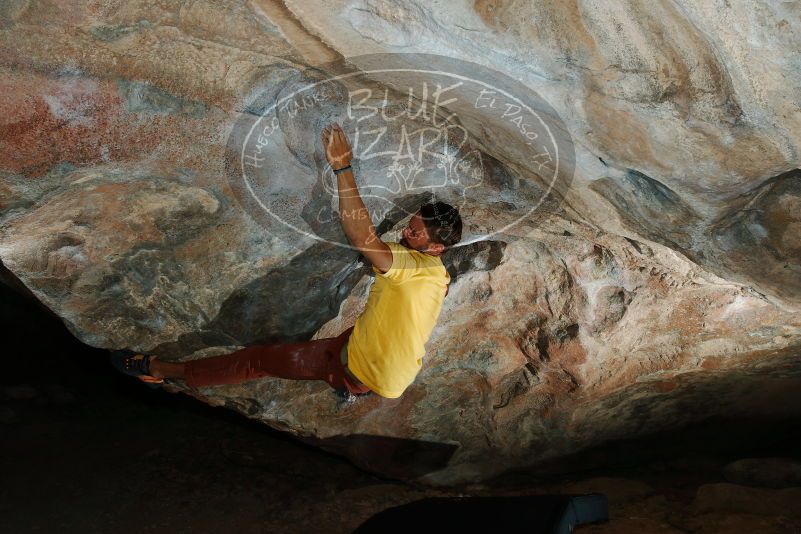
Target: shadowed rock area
(163, 189)
(72, 434)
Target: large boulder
(643, 274)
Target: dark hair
(443, 223)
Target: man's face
(415, 235)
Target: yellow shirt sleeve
(403, 264)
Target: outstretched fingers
(335, 142)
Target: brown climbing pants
(318, 359)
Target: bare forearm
(353, 214)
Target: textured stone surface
(767, 472)
(664, 289)
(733, 498)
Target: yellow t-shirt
(386, 347)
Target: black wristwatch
(343, 169)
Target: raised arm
(353, 214)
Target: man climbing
(383, 351)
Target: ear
(436, 248)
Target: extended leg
(311, 360)
(161, 369)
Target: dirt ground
(84, 449)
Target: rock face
(655, 281)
